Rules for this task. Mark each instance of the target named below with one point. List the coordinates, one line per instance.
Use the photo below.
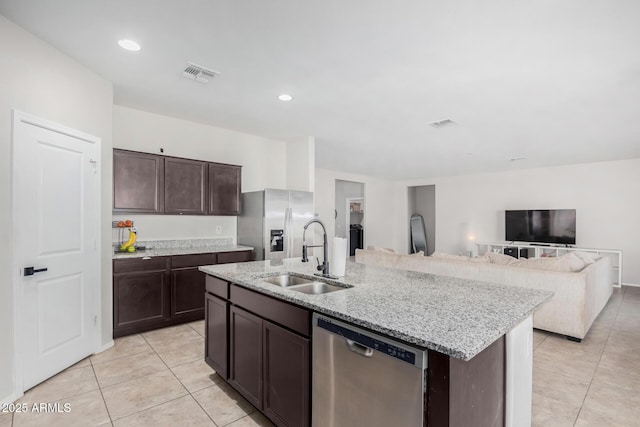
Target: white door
(56, 200)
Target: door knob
(30, 271)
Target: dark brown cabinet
(224, 189)
(285, 376)
(217, 334)
(155, 184)
(245, 364)
(188, 285)
(269, 350)
(138, 182)
(185, 186)
(140, 294)
(154, 292)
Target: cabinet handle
(146, 258)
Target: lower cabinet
(154, 292)
(246, 355)
(217, 335)
(285, 362)
(268, 363)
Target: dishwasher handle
(359, 348)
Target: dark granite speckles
(453, 316)
(183, 247)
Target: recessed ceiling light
(285, 97)
(129, 45)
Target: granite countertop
(457, 317)
(156, 248)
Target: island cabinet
(268, 356)
(155, 292)
(153, 184)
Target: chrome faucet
(324, 267)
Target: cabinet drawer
(229, 257)
(194, 260)
(217, 287)
(295, 318)
(140, 264)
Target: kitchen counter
(456, 317)
(157, 248)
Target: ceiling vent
(442, 123)
(199, 73)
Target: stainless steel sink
(303, 284)
(316, 288)
(287, 280)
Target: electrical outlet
(219, 229)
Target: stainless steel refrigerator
(272, 222)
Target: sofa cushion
(379, 249)
(587, 257)
(575, 264)
(544, 263)
(443, 255)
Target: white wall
(264, 164)
(380, 208)
(605, 194)
(37, 79)
(301, 164)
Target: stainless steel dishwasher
(361, 379)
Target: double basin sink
(303, 284)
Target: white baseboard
(633, 285)
(106, 346)
(11, 398)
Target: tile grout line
(101, 393)
(599, 359)
(178, 379)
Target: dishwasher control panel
(368, 341)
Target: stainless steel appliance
(361, 379)
(272, 221)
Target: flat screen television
(541, 226)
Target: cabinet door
(217, 334)
(285, 376)
(229, 257)
(140, 302)
(224, 189)
(187, 293)
(138, 182)
(185, 186)
(245, 367)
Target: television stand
(548, 250)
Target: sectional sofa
(581, 286)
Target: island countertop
(456, 317)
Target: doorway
(56, 218)
(350, 214)
(422, 201)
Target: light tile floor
(159, 379)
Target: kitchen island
(462, 323)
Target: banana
(131, 241)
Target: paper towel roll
(339, 260)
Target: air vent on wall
(199, 73)
(442, 123)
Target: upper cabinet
(138, 182)
(224, 189)
(185, 186)
(149, 183)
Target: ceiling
(553, 82)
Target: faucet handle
(319, 267)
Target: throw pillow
(500, 258)
(379, 249)
(587, 257)
(575, 264)
(419, 253)
(443, 255)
